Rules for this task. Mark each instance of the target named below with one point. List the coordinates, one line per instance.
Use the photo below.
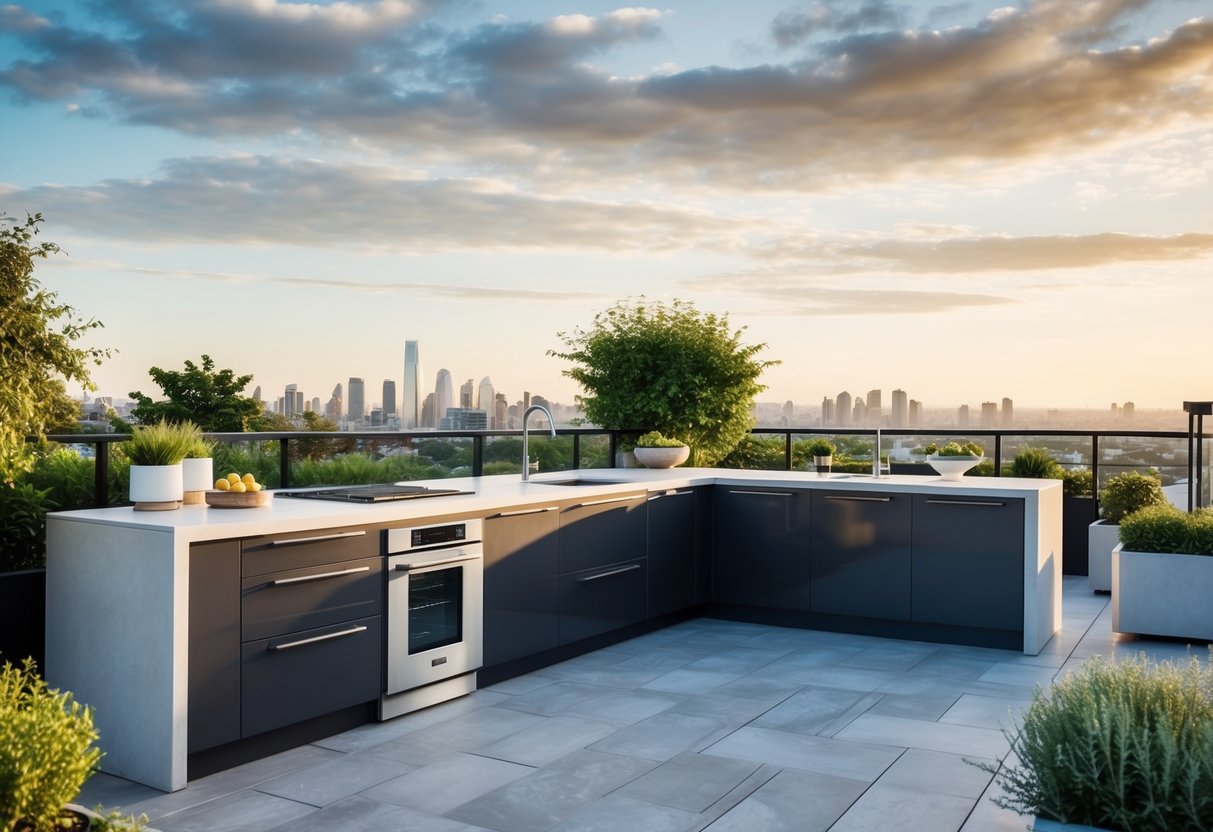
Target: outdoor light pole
(1197, 411)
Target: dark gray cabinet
(760, 547)
(601, 531)
(860, 554)
(521, 599)
(673, 544)
(596, 601)
(968, 561)
(214, 645)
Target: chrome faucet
(526, 452)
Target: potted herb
(653, 450)
(1121, 745)
(1162, 573)
(953, 459)
(822, 450)
(198, 470)
(1123, 495)
(155, 452)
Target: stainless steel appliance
(375, 493)
(435, 589)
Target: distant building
(501, 412)
(788, 410)
(915, 413)
(376, 417)
(389, 399)
(427, 412)
(1008, 413)
(842, 409)
(900, 409)
(444, 394)
(827, 411)
(989, 415)
(1128, 410)
(486, 398)
(289, 407)
(314, 405)
(464, 418)
(467, 395)
(414, 398)
(357, 400)
(875, 411)
(859, 413)
(962, 416)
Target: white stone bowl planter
(199, 477)
(1162, 594)
(1102, 538)
(952, 468)
(157, 487)
(662, 457)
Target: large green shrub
(47, 749)
(1126, 493)
(1078, 482)
(1035, 463)
(1118, 746)
(22, 527)
(1164, 528)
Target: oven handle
(320, 576)
(408, 567)
(273, 648)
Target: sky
(964, 200)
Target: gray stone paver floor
(706, 725)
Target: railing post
(998, 454)
(1095, 469)
(611, 449)
(101, 475)
(478, 455)
(576, 451)
(787, 451)
(284, 463)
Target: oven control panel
(438, 536)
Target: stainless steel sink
(578, 481)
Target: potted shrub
(953, 459)
(1036, 464)
(822, 451)
(1124, 494)
(1116, 746)
(155, 452)
(653, 450)
(1078, 512)
(198, 470)
(1162, 573)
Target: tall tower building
(874, 408)
(444, 394)
(1008, 413)
(410, 413)
(989, 415)
(486, 397)
(501, 412)
(467, 394)
(962, 416)
(389, 399)
(842, 408)
(357, 407)
(915, 413)
(827, 411)
(428, 420)
(315, 405)
(1128, 410)
(900, 410)
(288, 401)
(859, 413)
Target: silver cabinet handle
(670, 493)
(765, 493)
(320, 576)
(627, 499)
(405, 567)
(274, 648)
(317, 539)
(859, 499)
(609, 573)
(965, 502)
(525, 511)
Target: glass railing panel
(757, 451)
(503, 454)
(1167, 456)
(596, 451)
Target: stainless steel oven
(435, 579)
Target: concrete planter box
(1102, 538)
(1162, 594)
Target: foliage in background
(755, 453)
(1164, 528)
(959, 449)
(22, 526)
(1078, 483)
(655, 439)
(37, 347)
(818, 447)
(1128, 492)
(670, 368)
(1117, 746)
(211, 399)
(161, 443)
(1036, 463)
(47, 749)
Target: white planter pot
(156, 487)
(198, 476)
(1102, 538)
(662, 457)
(823, 465)
(952, 468)
(1162, 594)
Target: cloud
(792, 26)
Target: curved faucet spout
(526, 451)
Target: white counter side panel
(116, 636)
(1042, 569)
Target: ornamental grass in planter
(1118, 746)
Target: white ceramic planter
(1102, 538)
(952, 468)
(1162, 594)
(662, 457)
(156, 487)
(823, 465)
(198, 477)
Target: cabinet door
(601, 531)
(968, 561)
(214, 645)
(860, 554)
(315, 596)
(760, 547)
(602, 599)
(673, 547)
(521, 607)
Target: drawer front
(603, 530)
(291, 678)
(302, 599)
(297, 550)
(600, 600)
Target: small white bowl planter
(952, 468)
(1162, 594)
(156, 487)
(662, 457)
(1102, 538)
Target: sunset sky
(968, 200)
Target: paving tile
(986, 711)
(614, 813)
(933, 771)
(555, 698)
(691, 782)
(830, 676)
(852, 759)
(948, 664)
(664, 659)
(112, 792)
(728, 710)
(360, 814)
(522, 684)
(792, 801)
(929, 706)
(450, 782)
(245, 811)
(378, 733)
(557, 736)
(466, 732)
(686, 680)
(742, 659)
(626, 707)
(817, 710)
(660, 737)
(918, 733)
(329, 782)
(892, 655)
(552, 793)
(913, 811)
(1024, 675)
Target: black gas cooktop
(380, 493)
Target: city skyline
(970, 201)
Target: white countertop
(489, 494)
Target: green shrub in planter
(22, 527)
(654, 439)
(1078, 483)
(957, 449)
(162, 443)
(47, 749)
(820, 447)
(1164, 528)
(1126, 493)
(1035, 463)
(1117, 746)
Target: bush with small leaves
(1126, 493)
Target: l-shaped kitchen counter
(118, 581)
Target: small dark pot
(23, 616)
(1077, 514)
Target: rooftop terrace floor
(707, 724)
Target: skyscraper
(874, 409)
(842, 408)
(501, 412)
(900, 411)
(485, 398)
(989, 414)
(389, 399)
(288, 401)
(962, 416)
(444, 394)
(915, 413)
(827, 411)
(356, 411)
(428, 419)
(410, 414)
(467, 394)
(1008, 413)
(859, 414)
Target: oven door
(434, 626)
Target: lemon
(233, 477)
(254, 486)
(248, 479)
(222, 484)
(238, 487)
